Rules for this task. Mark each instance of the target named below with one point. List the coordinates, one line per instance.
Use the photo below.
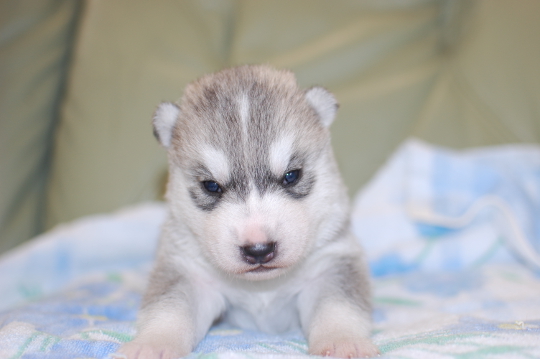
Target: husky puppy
(258, 226)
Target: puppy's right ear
(164, 121)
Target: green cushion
(446, 71)
(34, 43)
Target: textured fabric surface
(457, 73)
(451, 210)
(490, 312)
(439, 292)
(35, 38)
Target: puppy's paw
(343, 346)
(138, 350)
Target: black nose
(259, 253)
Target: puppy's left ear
(324, 103)
(164, 121)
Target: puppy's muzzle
(259, 253)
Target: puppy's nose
(259, 253)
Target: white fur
(227, 227)
(156, 338)
(338, 331)
(204, 274)
(280, 154)
(164, 121)
(243, 104)
(216, 162)
(324, 103)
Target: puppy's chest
(268, 311)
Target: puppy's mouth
(261, 269)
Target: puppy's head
(252, 173)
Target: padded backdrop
(454, 72)
(35, 38)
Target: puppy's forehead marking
(216, 162)
(247, 114)
(243, 106)
(281, 151)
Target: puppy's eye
(212, 187)
(291, 178)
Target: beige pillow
(446, 71)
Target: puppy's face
(251, 170)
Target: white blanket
(446, 234)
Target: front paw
(343, 346)
(141, 350)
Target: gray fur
(348, 276)
(245, 128)
(210, 114)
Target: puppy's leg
(335, 312)
(164, 331)
(339, 329)
(174, 316)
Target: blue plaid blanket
(452, 239)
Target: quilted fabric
(449, 281)
(490, 312)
